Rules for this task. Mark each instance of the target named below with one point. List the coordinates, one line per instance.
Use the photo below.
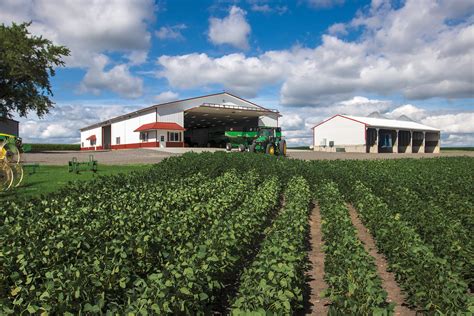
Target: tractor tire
(282, 148)
(270, 150)
(241, 148)
(252, 148)
(228, 147)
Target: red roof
(92, 137)
(160, 125)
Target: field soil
(318, 305)
(394, 293)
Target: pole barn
(347, 133)
(195, 122)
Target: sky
(310, 59)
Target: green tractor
(262, 139)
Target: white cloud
(452, 123)
(89, 28)
(171, 32)
(414, 50)
(118, 79)
(166, 96)
(267, 9)
(408, 110)
(324, 3)
(235, 72)
(232, 30)
(361, 106)
(63, 122)
(453, 140)
(338, 29)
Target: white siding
(126, 129)
(171, 116)
(270, 120)
(95, 131)
(340, 130)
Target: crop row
(70, 259)
(428, 280)
(274, 282)
(350, 272)
(199, 271)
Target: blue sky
(308, 58)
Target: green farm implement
(262, 139)
(11, 169)
(76, 166)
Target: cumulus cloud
(338, 29)
(232, 29)
(166, 96)
(324, 3)
(268, 9)
(89, 28)
(414, 50)
(63, 122)
(235, 72)
(452, 123)
(171, 32)
(118, 79)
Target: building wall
(343, 132)
(85, 144)
(270, 120)
(8, 126)
(173, 112)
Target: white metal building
(199, 121)
(374, 135)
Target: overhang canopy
(92, 137)
(160, 126)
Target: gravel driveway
(150, 156)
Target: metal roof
(396, 124)
(230, 105)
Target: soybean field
(219, 233)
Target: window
(82, 144)
(117, 140)
(144, 136)
(174, 136)
(93, 141)
(162, 138)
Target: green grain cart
(262, 139)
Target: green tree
(26, 64)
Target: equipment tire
(282, 148)
(270, 150)
(228, 147)
(241, 148)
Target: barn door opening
(106, 137)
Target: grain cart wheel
(10, 153)
(270, 149)
(282, 148)
(6, 176)
(228, 146)
(252, 148)
(241, 148)
(17, 171)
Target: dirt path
(317, 284)
(388, 278)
